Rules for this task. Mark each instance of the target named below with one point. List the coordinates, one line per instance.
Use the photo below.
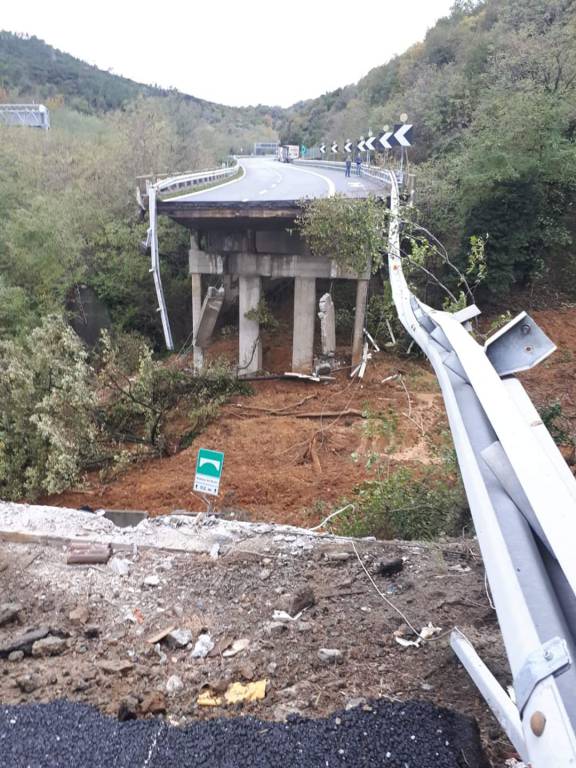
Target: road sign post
(208, 471)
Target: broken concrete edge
(67, 527)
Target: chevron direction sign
(401, 136)
(370, 143)
(361, 145)
(334, 148)
(348, 147)
(323, 148)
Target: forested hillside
(491, 92)
(67, 206)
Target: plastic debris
(246, 692)
(208, 699)
(425, 634)
(285, 617)
(236, 647)
(120, 566)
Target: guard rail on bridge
(382, 175)
(522, 497)
(182, 182)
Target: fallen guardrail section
(522, 497)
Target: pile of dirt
(174, 633)
(293, 450)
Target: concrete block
(209, 313)
(196, 313)
(359, 320)
(327, 317)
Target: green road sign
(208, 471)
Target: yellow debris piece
(249, 692)
(208, 699)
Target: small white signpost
(208, 471)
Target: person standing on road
(348, 165)
(358, 163)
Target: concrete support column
(196, 313)
(304, 317)
(359, 320)
(250, 356)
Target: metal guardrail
(186, 181)
(381, 175)
(522, 497)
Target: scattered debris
(79, 615)
(49, 646)
(160, 634)
(236, 647)
(128, 709)
(153, 703)
(80, 553)
(248, 692)
(337, 557)
(330, 656)
(24, 642)
(152, 581)
(9, 612)
(208, 698)
(204, 644)
(115, 666)
(179, 638)
(389, 567)
(297, 602)
(29, 683)
(120, 566)
(215, 550)
(174, 685)
(425, 634)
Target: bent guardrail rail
(522, 497)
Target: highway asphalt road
(267, 179)
(382, 735)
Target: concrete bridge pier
(304, 319)
(196, 314)
(359, 321)
(250, 355)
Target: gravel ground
(388, 734)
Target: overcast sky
(232, 52)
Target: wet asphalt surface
(389, 734)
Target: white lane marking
(218, 186)
(329, 182)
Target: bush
(46, 411)
(139, 392)
(406, 506)
(350, 231)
